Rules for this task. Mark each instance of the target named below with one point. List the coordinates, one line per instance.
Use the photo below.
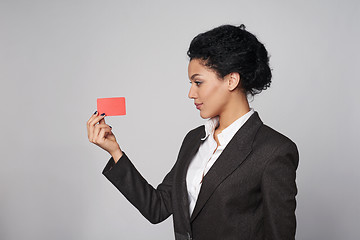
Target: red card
(111, 106)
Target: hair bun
(228, 49)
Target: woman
(234, 177)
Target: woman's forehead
(197, 68)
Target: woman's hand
(100, 134)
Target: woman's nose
(192, 93)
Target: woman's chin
(204, 115)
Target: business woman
(234, 177)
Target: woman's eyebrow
(193, 76)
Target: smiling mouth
(198, 105)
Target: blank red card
(111, 106)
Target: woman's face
(210, 93)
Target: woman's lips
(198, 105)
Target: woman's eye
(196, 82)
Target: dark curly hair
(228, 49)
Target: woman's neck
(237, 107)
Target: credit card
(114, 106)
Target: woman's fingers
(94, 115)
(97, 129)
(104, 138)
(102, 121)
(100, 134)
(89, 125)
(110, 144)
(94, 119)
(103, 134)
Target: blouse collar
(227, 134)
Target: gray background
(57, 57)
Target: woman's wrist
(116, 155)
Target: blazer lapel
(231, 158)
(189, 150)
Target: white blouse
(208, 153)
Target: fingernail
(103, 114)
(110, 126)
(95, 112)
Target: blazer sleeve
(279, 191)
(153, 204)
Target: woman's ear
(233, 81)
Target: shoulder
(271, 141)
(263, 135)
(267, 133)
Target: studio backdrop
(58, 57)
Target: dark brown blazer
(248, 194)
